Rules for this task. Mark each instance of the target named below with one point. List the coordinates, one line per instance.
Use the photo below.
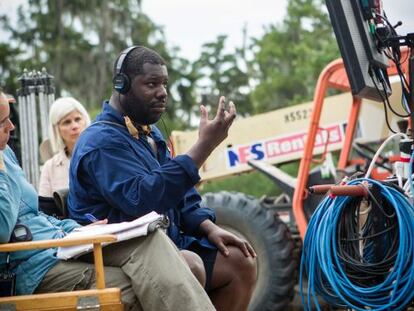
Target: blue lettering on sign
(233, 158)
(244, 153)
(257, 150)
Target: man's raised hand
(216, 130)
(212, 132)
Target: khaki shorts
(149, 270)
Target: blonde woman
(68, 118)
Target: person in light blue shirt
(121, 169)
(15, 191)
(149, 270)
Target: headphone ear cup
(121, 83)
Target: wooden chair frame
(105, 298)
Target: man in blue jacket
(121, 169)
(149, 270)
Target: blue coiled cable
(325, 269)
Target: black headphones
(121, 81)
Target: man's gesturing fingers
(203, 114)
(221, 108)
(232, 109)
(231, 114)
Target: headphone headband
(121, 58)
(121, 81)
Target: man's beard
(127, 105)
(140, 116)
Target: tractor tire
(271, 239)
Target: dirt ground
(296, 304)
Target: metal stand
(34, 100)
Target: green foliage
(9, 70)
(253, 183)
(289, 57)
(214, 73)
(183, 98)
(224, 74)
(77, 41)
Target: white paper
(123, 231)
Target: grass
(253, 183)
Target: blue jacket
(19, 204)
(116, 176)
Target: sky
(190, 23)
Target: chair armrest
(61, 200)
(97, 250)
(20, 246)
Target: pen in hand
(94, 220)
(91, 218)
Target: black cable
(166, 130)
(396, 57)
(377, 232)
(404, 84)
(385, 83)
(373, 273)
(372, 197)
(387, 100)
(383, 101)
(119, 99)
(168, 134)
